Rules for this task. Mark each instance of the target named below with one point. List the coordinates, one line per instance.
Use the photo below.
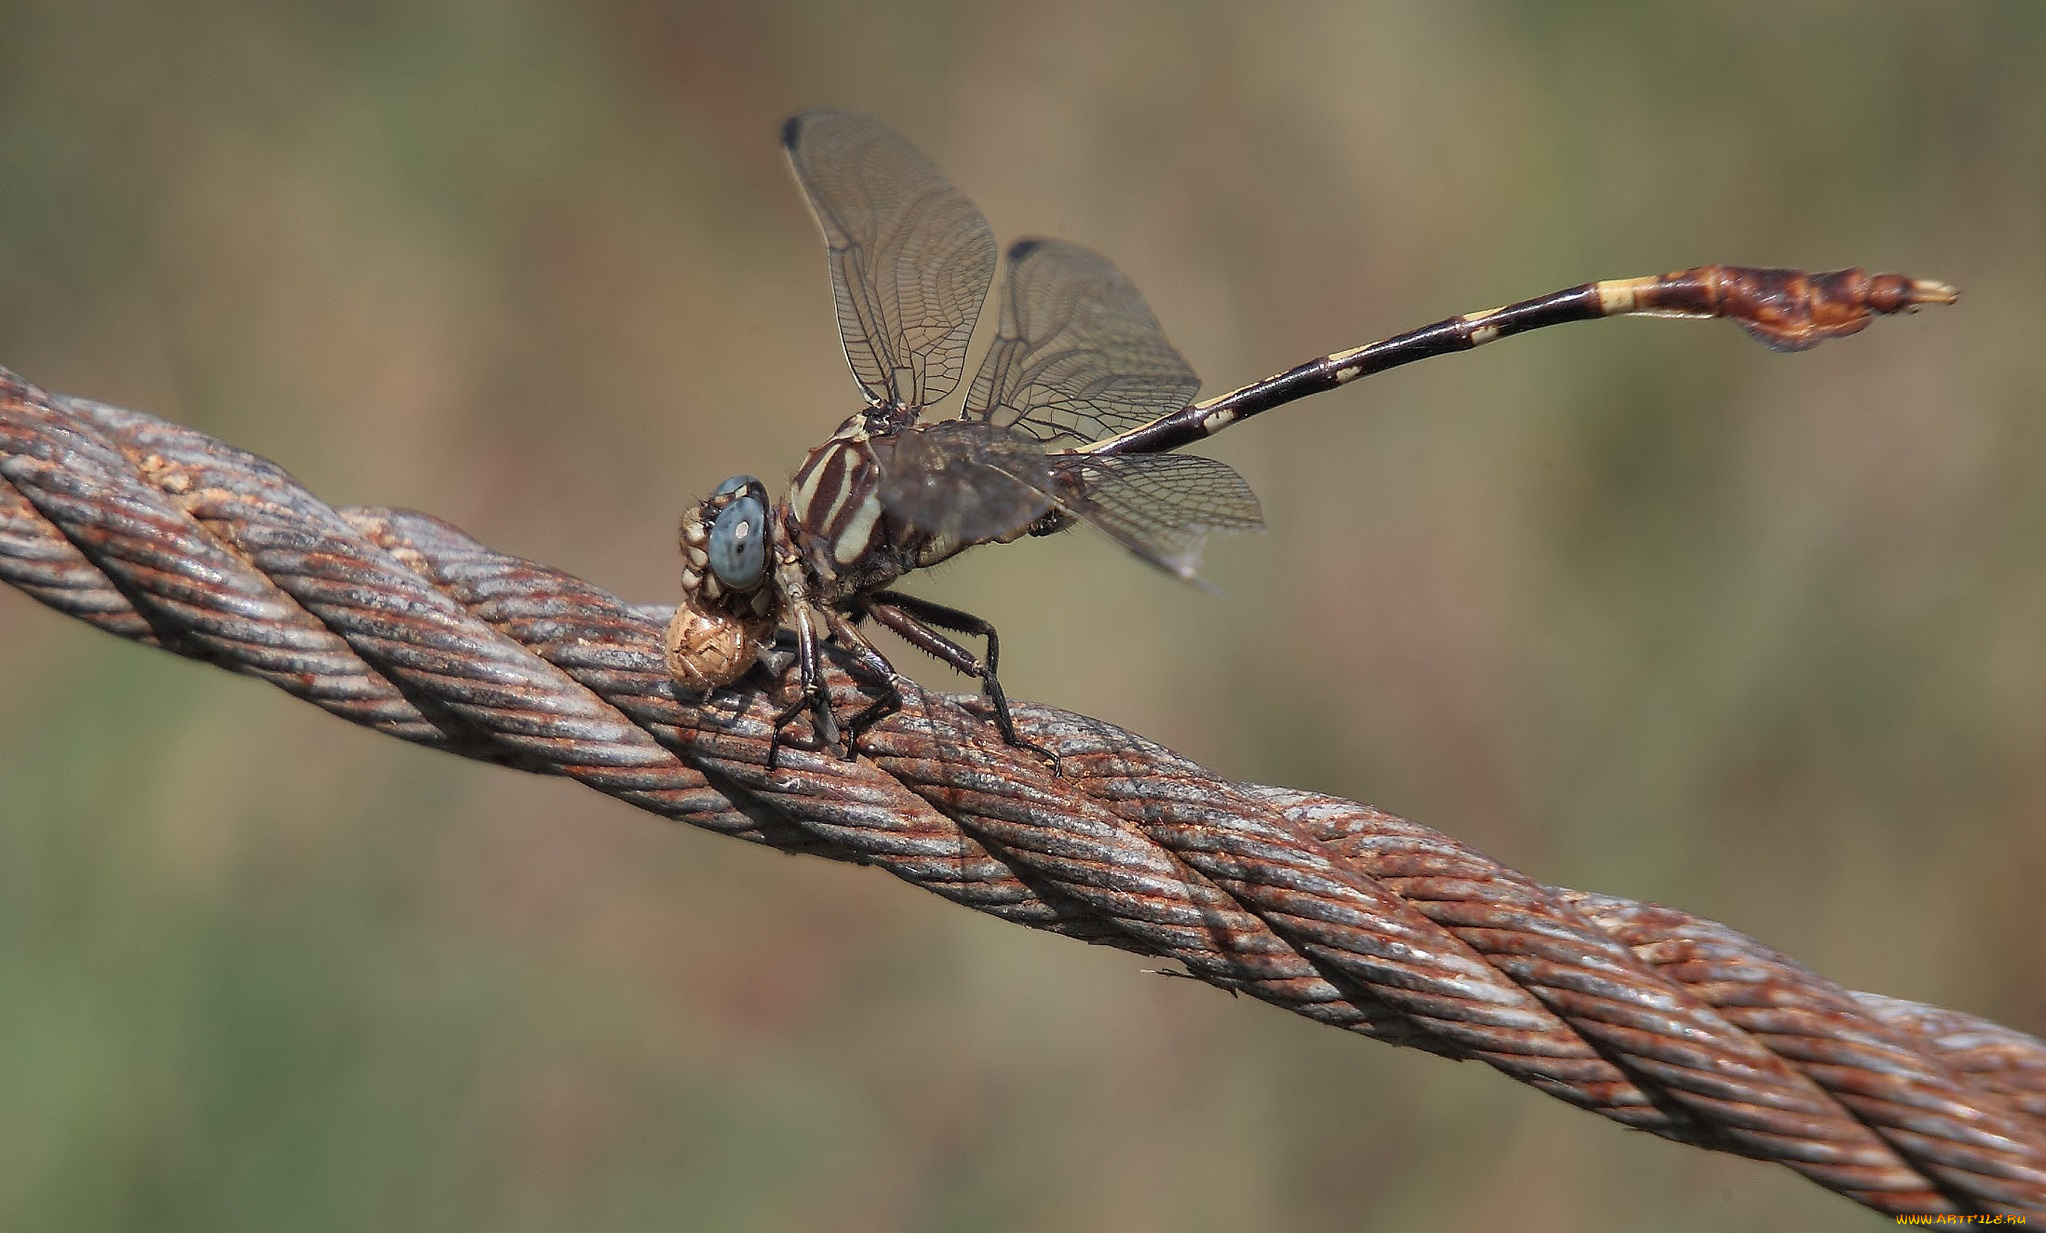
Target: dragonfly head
(732, 551)
(728, 606)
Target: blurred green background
(1637, 607)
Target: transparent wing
(1160, 506)
(911, 259)
(969, 482)
(1079, 356)
(964, 482)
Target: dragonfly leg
(869, 659)
(813, 696)
(913, 618)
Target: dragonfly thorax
(834, 502)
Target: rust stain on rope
(1330, 909)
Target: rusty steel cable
(397, 621)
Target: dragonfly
(1073, 417)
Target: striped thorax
(833, 514)
(837, 522)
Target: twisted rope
(397, 621)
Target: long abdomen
(1788, 310)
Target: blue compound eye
(733, 485)
(738, 539)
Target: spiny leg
(812, 695)
(912, 618)
(1787, 310)
(867, 657)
